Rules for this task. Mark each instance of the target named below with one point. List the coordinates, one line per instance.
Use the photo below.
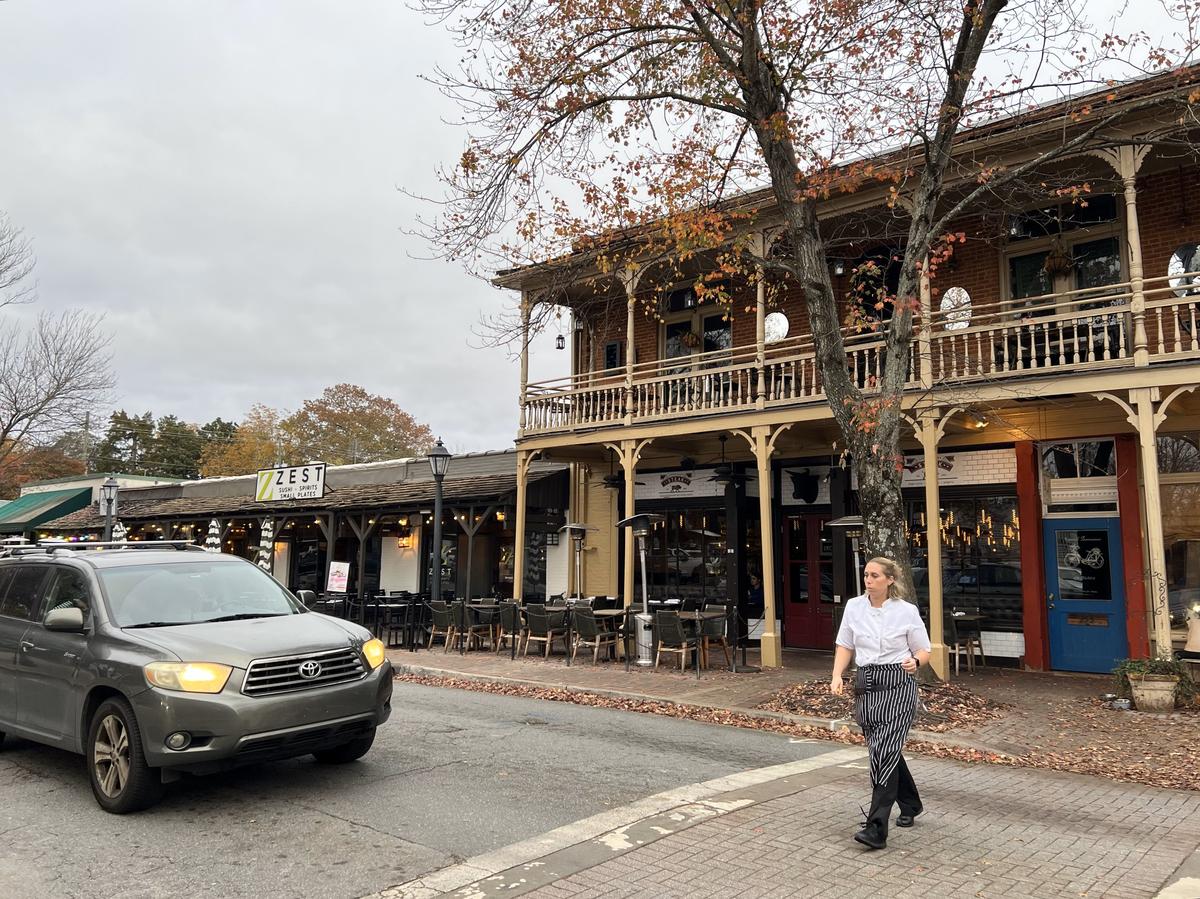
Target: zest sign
(298, 482)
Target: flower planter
(1153, 692)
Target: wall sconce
(560, 342)
(404, 538)
(500, 516)
(839, 267)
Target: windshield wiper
(241, 616)
(159, 624)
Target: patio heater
(577, 533)
(641, 525)
(108, 499)
(439, 464)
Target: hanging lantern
(560, 342)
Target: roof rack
(45, 547)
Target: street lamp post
(439, 463)
(108, 499)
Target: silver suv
(153, 662)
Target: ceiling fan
(724, 472)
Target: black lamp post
(108, 499)
(439, 462)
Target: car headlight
(374, 652)
(190, 677)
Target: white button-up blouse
(884, 636)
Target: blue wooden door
(1085, 593)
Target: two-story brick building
(1054, 444)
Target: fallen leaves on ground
(1124, 754)
(945, 707)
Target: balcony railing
(1077, 330)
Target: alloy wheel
(110, 756)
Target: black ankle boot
(871, 836)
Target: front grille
(268, 676)
(301, 742)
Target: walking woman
(885, 636)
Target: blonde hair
(890, 569)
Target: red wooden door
(808, 582)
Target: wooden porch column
(523, 461)
(929, 431)
(760, 326)
(1126, 160)
(629, 452)
(1130, 161)
(1143, 400)
(629, 279)
(524, 361)
(762, 443)
(1145, 412)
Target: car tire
(347, 752)
(121, 779)
(1, 739)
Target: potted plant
(1154, 684)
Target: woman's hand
(835, 685)
(910, 665)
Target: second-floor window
(693, 326)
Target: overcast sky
(221, 179)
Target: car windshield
(192, 592)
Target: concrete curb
(832, 725)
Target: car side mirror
(307, 597)
(68, 620)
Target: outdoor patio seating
(509, 625)
(468, 627)
(442, 623)
(713, 630)
(544, 627)
(963, 625)
(672, 637)
(589, 633)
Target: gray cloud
(220, 178)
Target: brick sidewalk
(988, 832)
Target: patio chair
(672, 637)
(442, 624)
(544, 628)
(713, 630)
(963, 636)
(588, 633)
(510, 627)
(467, 626)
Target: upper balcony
(1061, 334)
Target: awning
(27, 512)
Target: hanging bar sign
(298, 482)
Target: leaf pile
(944, 707)
(1121, 756)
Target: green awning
(27, 512)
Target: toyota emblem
(310, 669)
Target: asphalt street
(453, 774)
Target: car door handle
(26, 646)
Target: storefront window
(685, 556)
(1178, 453)
(1181, 535)
(981, 558)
